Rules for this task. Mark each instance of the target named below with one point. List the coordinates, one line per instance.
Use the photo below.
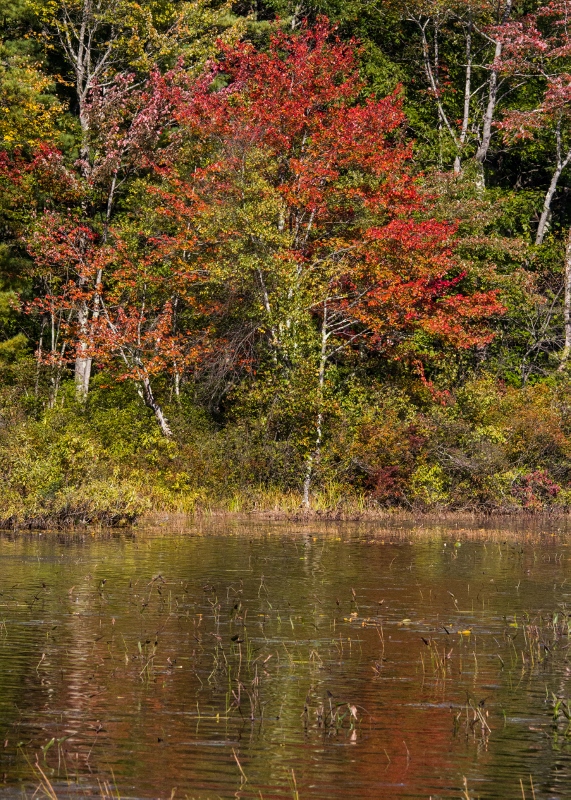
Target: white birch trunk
(82, 57)
(82, 361)
(313, 457)
(482, 150)
(550, 194)
(467, 99)
(150, 402)
(487, 123)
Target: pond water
(282, 660)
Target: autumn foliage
(255, 240)
(337, 169)
(283, 182)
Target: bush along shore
(283, 259)
(491, 449)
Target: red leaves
(354, 218)
(126, 122)
(282, 182)
(64, 243)
(539, 45)
(298, 103)
(285, 91)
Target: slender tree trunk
(79, 44)
(487, 124)
(546, 210)
(39, 358)
(82, 361)
(150, 402)
(549, 195)
(432, 78)
(314, 456)
(482, 150)
(567, 304)
(56, 379)
(275, 340)
(80, 60)
(467, 99)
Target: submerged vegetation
(283, 257)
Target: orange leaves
(263, 203)
(62, 243)
(289, 130)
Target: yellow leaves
(29, 111)
(491, 433)
(45, 10)
(141, 34)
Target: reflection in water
(283, 660)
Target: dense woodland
(284, 256)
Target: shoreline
(387, 518)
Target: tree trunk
(56, 379)
(432, 78)
(313, 457)
(39, 358)
(467, 99)
(546, 211)
(82, 361)
(275, 340)
(82, 377)
(150, 402)
(567, 304)
(482, 152)
(80, 62)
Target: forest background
(284, 256)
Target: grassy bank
(489, 450)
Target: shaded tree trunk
(567, 304)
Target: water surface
(274, 660)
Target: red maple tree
(284, 204)
(334, 195)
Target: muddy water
(275, 660)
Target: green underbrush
(486, 448)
